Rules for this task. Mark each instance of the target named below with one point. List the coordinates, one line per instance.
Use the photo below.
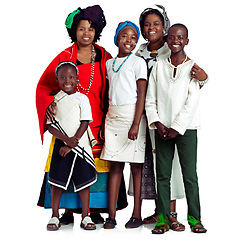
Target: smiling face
(153, 28)
(127, 39)
(67, 78)
(177, 39)
(85, 33)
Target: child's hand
(102, 133)
(171, 133)
(72, 141)
(64, 151)
(133, 132)
(162, 130)
(198, 73)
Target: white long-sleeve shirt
(173, 100)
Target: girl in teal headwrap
(125, 124)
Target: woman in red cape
(84, 27)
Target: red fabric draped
(47, 86)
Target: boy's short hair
(180, 25)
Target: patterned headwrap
(123, 25)
(93, 13)
(161, 10)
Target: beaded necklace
(121, 63)
(91, 75)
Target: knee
(190, 181)
(136, 169)
(117, 167)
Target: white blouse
(123, 84)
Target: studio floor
(37, 227)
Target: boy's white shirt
(173, 103)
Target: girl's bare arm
(141, 89)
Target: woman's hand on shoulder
(51, 111)
(102, 133)
(198, 73)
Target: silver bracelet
(201, 83)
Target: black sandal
(175, 225)
(159, 229)
(151, 219)
(196, 225)
(162, 225)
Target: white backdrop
(33, 33)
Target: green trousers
(187, 150)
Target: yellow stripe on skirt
(101, 166)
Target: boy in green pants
(172, 109)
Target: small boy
(172, 109)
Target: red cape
(47, 86)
